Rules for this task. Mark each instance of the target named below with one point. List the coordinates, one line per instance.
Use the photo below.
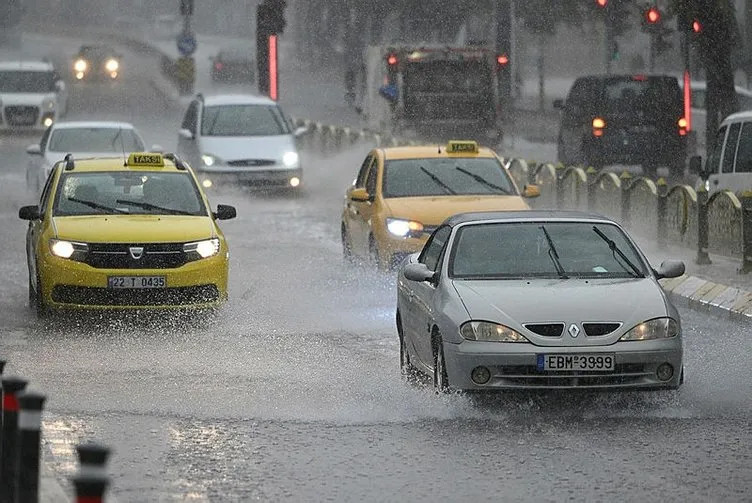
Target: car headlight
(659, 328)
(80, 65)
(404, 228)
(112, 65)
(490, 332)
(290, 159)
(205, 249)
(66, 249)
(209, 160)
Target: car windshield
(95, 139)
(243, 120)
(523, 250)
(451, 176)
(640, 94)
(138, 192)
(26, 81)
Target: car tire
(38, 300)
(407, 369)
(440, 378)
(347, 253)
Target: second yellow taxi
(402, 194)
(110, 233)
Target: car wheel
(440, 378)
(347, 253)
(39, 307)
(406, 368)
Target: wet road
(294, 393)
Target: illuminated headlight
(205, 249)
(80, 65)
(208, 160)
(403, 228)
(659, 328)
(207, 183)
(47, 121)
(490, 332)
(66, 249)
(290, 159)
(112, 65)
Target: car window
(95, 139)
(729, 152)
(190, 120)
(521, 250)
(43, 140)
(745, 102)
(44, 201)
(744, 150)
(714, 157)
(659, 95)
(373, 174)
(360, 181)
(243, 120)
(450, 176)
(581, 97)
(432, 251)
(26, 81)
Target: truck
(432, 92)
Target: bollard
(662, 205)
(89, 488)
(702, 227)
(625, 178)
(92, 458)
(29, 437)
(746, 200)
(9, 462)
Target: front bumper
(67, 284)
(515, 366)
(259, 178)
(620, 147)
(26, 118)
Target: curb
(704, 295)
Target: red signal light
(696, 26)
(392, 60)
(601, 3)
(653, 15)
(502, 59)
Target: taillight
(218, 65)
(502, 60)
(392, 60)
(598, 126)
(683, 123)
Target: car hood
(517, 302)
(434, 210)
(134, 228)
(229, 148)
(24, 98)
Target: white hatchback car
(82, 139)
(241, 140)
(32, 95)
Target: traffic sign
(187, 44)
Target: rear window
(629, 94)
(467, 77)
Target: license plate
(600, 362)
(136, 282)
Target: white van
(729, 165)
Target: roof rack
(69, 164)
(179, 164)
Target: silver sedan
(540, 300)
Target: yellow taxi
(402, 194)
(110, 233)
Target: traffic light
(696, 26)
(186, 7)
(652, 19)
(270, 17)
(601, 3)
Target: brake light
(392, 59)
(683, 123)
(502, 59)
(598, 123)
(640, 78)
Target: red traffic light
(502, 59)
(391, 59)
(601, 3)
(653, 15)
(696, 26)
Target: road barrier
(20, 450)
(720, 223)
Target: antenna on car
(69, 164)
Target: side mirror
(531, 191)
(157, 148)
(34, 149)
(361, 195)
(29, 213)
(185, 133)
(670, 269)
(559, 104)
(695, 166)
(300, 132)
(418, 272)
(225, 212)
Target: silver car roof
(527, 216)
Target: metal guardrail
(676, 215)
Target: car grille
(546, 329)
(598, 329)
(89, 296)
(21, 115)
(530, 376)
(245, 163)
(118, 256)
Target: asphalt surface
(294, 393)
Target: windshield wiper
(483, 181)
(96, 206)
(553, 254)
(616, 251)
(149, 206)
(438, 181)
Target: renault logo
(136, 252)
(573, 330)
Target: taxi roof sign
(462, 147)
(146, 159)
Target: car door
(357, 211)
(423, 299)
(720, 178)
(188, 138)
(37, 227)
(369, 209)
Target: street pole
(609, 42)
